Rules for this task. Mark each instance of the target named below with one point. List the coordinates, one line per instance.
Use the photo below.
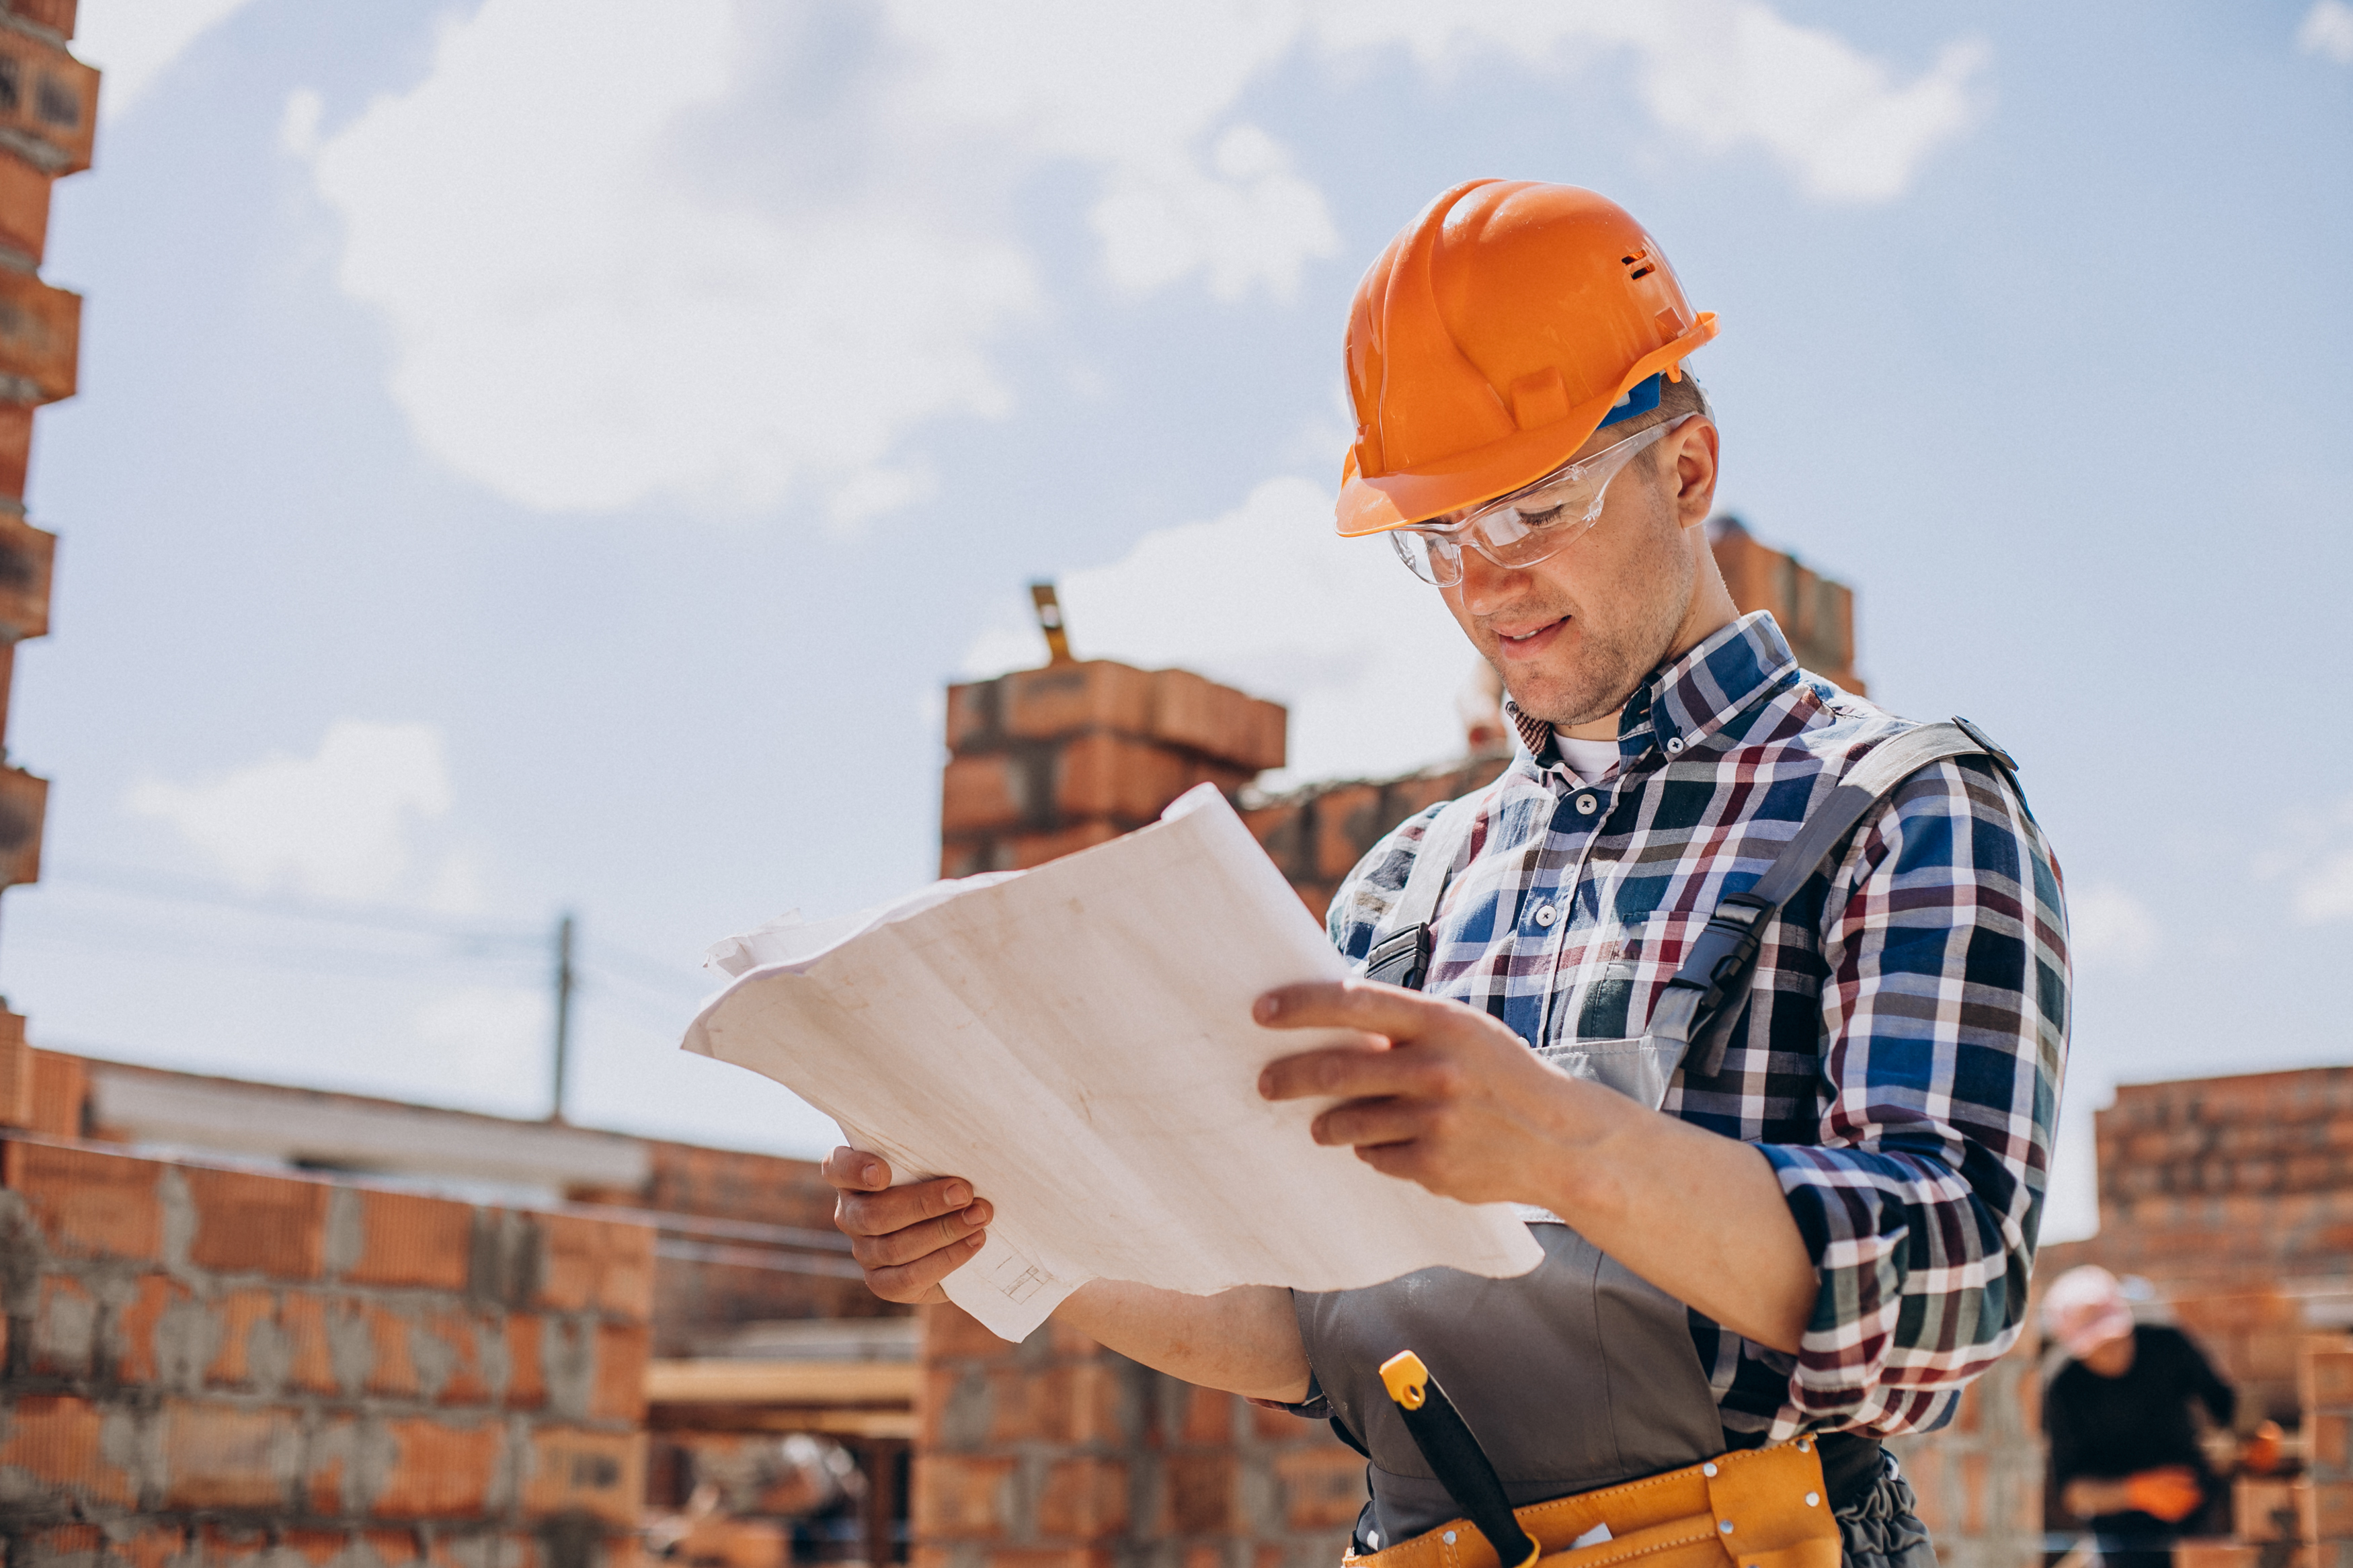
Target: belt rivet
(1813, 1500)
(1725, 1527)
(1708, 1469)
(1450, 1537)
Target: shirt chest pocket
(1639, 959)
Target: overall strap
(1401, 944)
(1700, 1003)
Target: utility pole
(564, 984)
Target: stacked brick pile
(1979, 1479)
(49, 114)
(212, 1365)
(1317, 834)
(1815, 614)
(2324, 1494)
(1055, 1453)
(1046, 762)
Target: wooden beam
(711, 1381)
(831, 1421)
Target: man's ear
(1693, 486)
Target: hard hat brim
(1389, 502)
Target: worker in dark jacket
(2123, 1445)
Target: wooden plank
(711, 1381)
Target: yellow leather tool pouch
(1757, 1507)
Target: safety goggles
(1532, 523)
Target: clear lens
(1436, 560)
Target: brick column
(47, 119)
(1044, 761)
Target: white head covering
(2084, 1309)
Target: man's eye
(1535, 518)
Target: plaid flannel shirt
(1899, 1055)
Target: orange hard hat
(1495, 334)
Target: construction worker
(2125, 1450)
(1750, 994)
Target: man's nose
(1486, 587)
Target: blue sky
(548, 455)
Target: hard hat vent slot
(1640, 262)
(1643, 271)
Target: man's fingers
(1365, 1122)
(1352, 1004)
(856, 1170)
(896, 1208)
(892, 1249)
(915, 1281)
(1354, 1072)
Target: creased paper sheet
(1077, 1041)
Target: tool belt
(1754, 1507)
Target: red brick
(250, 1222)
(2215, 1554)
(1347, 823)
(237, 1312)
(1209, 1415)
(490, 1549)
(54, 1439)
(302, 1318)
(1110, 775)
(2324, 1372)
(23, 799)
(135, 1328)
(65, 1328)
(1281, 1425)
(57, 15)
(1051, 1557)
(2326, 1450)
(1323, 1486)
(60, 1082)
(957, 1495)
(392, 1546)
(1199, 1494)
(991, 791)
(16, 1057)
(1020, 851)
(218, 1456)
(439, 1470)
(601, 1474)
(606, 1264)
(722, 1542)
(461, 1333)
(88, 1204)
(1066, 700)
(1084, 1499)
(1192, 712)
(24, 208)
(2262, 1509)
(410, 1239)
(620, 1390)
(2326, 1509)
(526, 1377)
(316, 1547)
(16, 447)
(391, 1370)
(40, 327)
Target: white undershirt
(1588, 760)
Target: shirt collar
(1690, 698)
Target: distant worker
(2124, 1453)
(1751, 994)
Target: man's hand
(1438, 1093)
(908, 1238)
(1443, 1095)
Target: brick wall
(47, 121)
(209, 1364)
(1056, 1453)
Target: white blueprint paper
(1077, 1041)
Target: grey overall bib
(1577, 1375)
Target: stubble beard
(1614, 660)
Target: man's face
(1574, 634)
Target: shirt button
(1545, 915)
(1588, 803)
(1674, 744)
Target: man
(2124, 1453)
(1820, 1222)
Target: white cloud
(2313, 853)
(621, 262)
(2325, 892)
(134, 42)
(335, 823)
(1268, 599)
(2107, 926)
(2326, 30)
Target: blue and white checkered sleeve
(1372, 889)
(1945, 1029)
